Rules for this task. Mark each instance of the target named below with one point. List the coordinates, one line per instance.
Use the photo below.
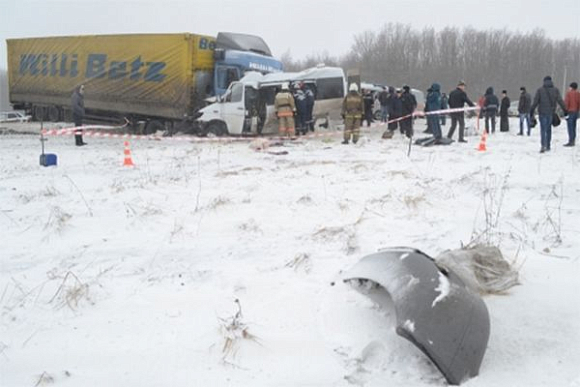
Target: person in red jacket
(572, 102)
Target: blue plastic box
(48, 159)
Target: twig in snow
(82, 196)
(4, 212)
(43, 379)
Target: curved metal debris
(435, 310)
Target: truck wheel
(67, 115)
(39, 113)
(377, 115)
(153, 126)
(216, 128)
(54, 113)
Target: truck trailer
(152, 81)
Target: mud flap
(435, 310)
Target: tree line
(397, 54)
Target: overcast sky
(301, 26)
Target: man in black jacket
(490, 104)
(524, 110)
(369, 102)
(395, 109)
(409, 104)
(545, 100)
(384, 101)
(78, 111)
(457, 99)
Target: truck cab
(235, 54)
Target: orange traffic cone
(128, 162)
(482, 147)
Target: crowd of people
(294, 109)
(398, 110)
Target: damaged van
(247, 107)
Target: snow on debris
(443, 288)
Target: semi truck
(152, 81)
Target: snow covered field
(117, 276)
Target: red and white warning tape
(93, 131)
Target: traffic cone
(127, 162)
(482, 147)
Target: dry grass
(44, 379)
(71, 292)
(50, 192)
(251, 226)
(57, 219)
(492, 198)
(234, 332)
(553, 220)
(300, 261)
(412, 202)
(346, 235)
(217, 202)
(306, 199)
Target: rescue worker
(352, 111)
(78, 112)
(285, 109)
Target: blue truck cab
(235, 54)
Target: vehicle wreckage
(435, 310)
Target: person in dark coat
(444, 105)
(428, 130)
(395, 110)
(524, 106)
(409, 104)
(309, 107)
(457, 99)
(78, 113)
(301, 108)
(490, 105)
(384, 101)
(545, 100)
(504, 123)
(433, 103)
(369, 102)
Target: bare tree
(397, 54)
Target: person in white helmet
(352, 111)
(285, 109)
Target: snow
(443, 288)
(410, 325)
(128, 276)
